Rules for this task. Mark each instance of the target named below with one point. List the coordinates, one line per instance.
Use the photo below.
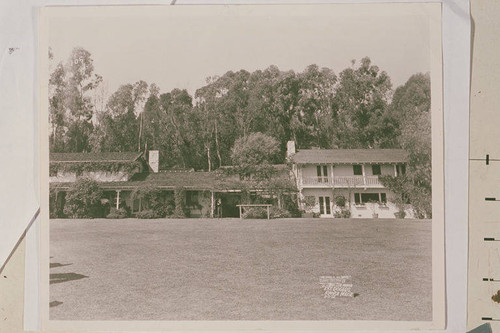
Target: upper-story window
(357, 169)
(376, 171)
(322, 173)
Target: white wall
(316, 192)
(357, 211)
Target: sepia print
(239, 164)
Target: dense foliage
(180, 210)
(119, 213)
(158, 205)
(83, 199)
(410, 110)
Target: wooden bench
(268, 206)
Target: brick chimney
(290, 149)
(154, 160)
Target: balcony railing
(343, 181)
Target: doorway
(324, 206)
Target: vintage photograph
(243, 163)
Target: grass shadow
(56, 264)
(65, 277)
(54, 303)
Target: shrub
(340, 201)
(155, 199)
(290, 204)
(342, 214)
(169, 209)
(55, 208)
(310, 201)
(255, 213)
(279, 213)
(83, 199)
(147, 214)
(400, 215)
(119, 213)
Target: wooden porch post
(212, 204)
(395, 171)
(241, 216)
(364, 174)
(117, 199)
(268, 212)
(331, 175)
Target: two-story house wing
(327, 177)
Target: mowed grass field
(231, 269)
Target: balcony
(342, 181)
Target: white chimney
(290, 149)
(154, 160)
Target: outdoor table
(254, 205)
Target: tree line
(356, 108)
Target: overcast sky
(179, 46)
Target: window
(376, 170)
(357, 198)
(357, 169)
(362, 198)
(367, 197)
(327, 205)
(324, 205)
(322, 173)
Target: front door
(324, 206)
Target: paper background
(456, 55)
(484, 259)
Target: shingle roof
(199, 179)
(194, 180)
(95, 157)
(350, 156)
(214, 180)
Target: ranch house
(121, 174)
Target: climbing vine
(80, 167)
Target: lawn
(231, 269)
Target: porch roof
(194, 180)
(95, 157)
(350, 156)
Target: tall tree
(410, 110)
(254, 155)
(360, 101)
(57, 109)
(70, 102)
(118, 126)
